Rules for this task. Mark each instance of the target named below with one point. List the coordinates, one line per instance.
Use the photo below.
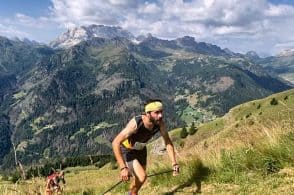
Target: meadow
(250, 150)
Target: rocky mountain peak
(76, 35)
(186, 40)
(228, 51)
(252, 55)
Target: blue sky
(33, 8)
(264, 26)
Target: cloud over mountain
(242, 26)
(222, 22)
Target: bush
(88, 192)
(182, 144)
(248, 115)
(274, 101)
(192, 129)
(184, 133)
(251, 122)
(15, 177)
(271, 165)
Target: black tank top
(142, 135)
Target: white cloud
(237, 24)
(252, 23)
(228, 30)
(24, 20)
(279, 10)
(71, 13)
(10, 31)
(23, 26)
(149, 8)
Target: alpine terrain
(70, 98)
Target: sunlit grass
(248, 151)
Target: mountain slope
(259, 130)
(282, 65)
(245, 151)
(17, 59)
(71, 102)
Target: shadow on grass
(197, 176)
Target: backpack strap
(139, 121)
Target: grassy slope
(223, 146)
(254, 126)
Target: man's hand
(124, 174)
(176, 169)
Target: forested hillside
(69, 102)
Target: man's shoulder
(138, 118)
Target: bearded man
(129, 146)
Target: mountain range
(282, 65)
(72, 97)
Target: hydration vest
(139, 139)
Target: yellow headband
(153, 106)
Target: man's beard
(154, 121)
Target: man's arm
(123, 135)
(169, 145)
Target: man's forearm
(171, 153)
(118, 155)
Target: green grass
(254, 108)
(192, 172)
(248, 167)
(244, 152)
